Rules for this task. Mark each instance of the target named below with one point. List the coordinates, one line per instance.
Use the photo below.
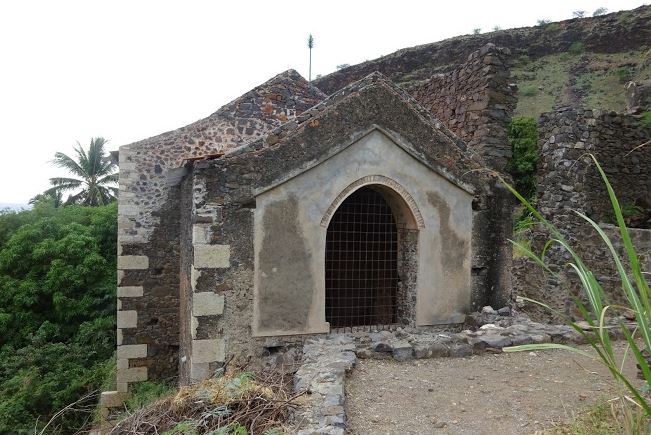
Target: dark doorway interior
(361, 262)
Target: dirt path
(488, 394)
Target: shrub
(523, 136)
(552, 27)
(476, 31)
(600, 11)
(578, 14)
(543, 22)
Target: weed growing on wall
(523, 135)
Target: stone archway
(371, 260)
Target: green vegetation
(591, 80)
(603, 419)
(523, 135)
(645, 118)
(57, 313)
(624, 75)
(575, 48)
(95, 176)
(529, 91)
(636, 290)
(146, 393)
(552, 27)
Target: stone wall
(611, 33)
(149, 229)
(568, 181)
(475, 101)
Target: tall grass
(634, 286)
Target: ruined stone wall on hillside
(475, 101)
(569, 182)
(611, 33)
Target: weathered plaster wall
(569, 182)
(290, 285)
(476, 101)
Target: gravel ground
(517, 393)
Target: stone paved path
(482, 394)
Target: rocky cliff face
(612, 33)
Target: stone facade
(475, 101)
(196, 207)
(568, 182)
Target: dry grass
(235, 401)
(611, 418)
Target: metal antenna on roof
(310, 44)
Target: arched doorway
(361, 262)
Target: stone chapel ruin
(290, 213)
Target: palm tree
(95, 175)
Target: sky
(128, 70)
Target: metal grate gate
(361, 264)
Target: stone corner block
(205, 351)
(207, 304)
(201, 234)
(127, 351)
(127, 319)
(131, 374)
(130, 291)
(212, 256)
(111, 399)
(127, 262)
(199, 372)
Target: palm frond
(66, 162)
(112, 178)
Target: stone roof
(342, 118)
(147, 167)
(246, 118)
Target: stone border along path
(326, 359)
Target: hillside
(574, 62)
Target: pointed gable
(329, 127)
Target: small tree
(310, 45)
(578, 14)
(600, 11)
(342, 66)
(543, 22)
(496, 28)
(476, 31)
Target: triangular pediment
(371, 104)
